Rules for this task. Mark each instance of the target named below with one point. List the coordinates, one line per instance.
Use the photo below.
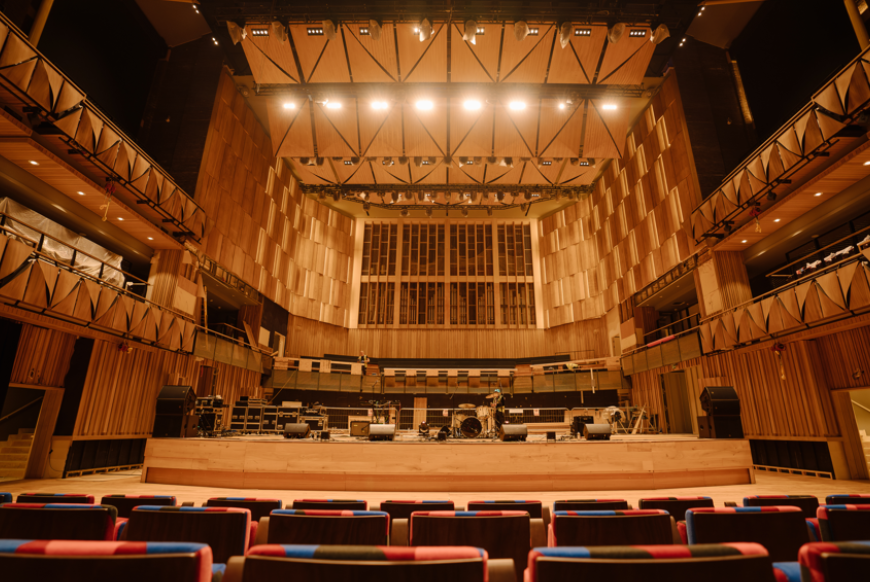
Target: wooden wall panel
(43, 356)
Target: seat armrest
(630, 506)
(235, 568)
(683, 532)
(188, 504)
(539, 533)
(501, 570)
(731, 504)
(399, 534)
(675, 533)
(814, 530)
(545, 513)
(262, 532)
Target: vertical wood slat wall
(42, 357)
(264, 230)
(632, 228)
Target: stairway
(14, 454)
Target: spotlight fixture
(403, 160)
(582, 32)
(289, 105)
(428, 212)
(464, 211)
(380, 105)
(278, 30)
(471, 104)
(33, 163)
(817, 194)
(517, 105)
(405, 212)
(521, 30)
(614, 33)
(237, 33)
(470, 31)
(315, 31)
(367, 206)
(562, 105)
(661, 33)
(374, 29)
(547, 163)
(364, 31)
(507, 162)
(424, 163)
(489, 210)
(609, 107)
(771, 195)
(329, 29)
(533, 31)
(394, 197)
(387, 162)
(499, 196)
(565, 34)
(424, 30)
(333, 105)
(424, 105)
(637, 33)
(348, 163)
(418, 161)
(492, 160)
(80, 193)
(259, 32)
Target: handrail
(676, 335)
(859, 405)
(698, 315)
(28, 405)
(817, 251)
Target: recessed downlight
(471, 104)
(817, 194)
(289, 105)
(744, 241)
(424, 105)
(34, 163)
(80, 193)
(776, 219)
(517, 105)
(150, 238)
(121, 219)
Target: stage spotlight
(489, 210)
(380, 105)
(614, 33)
(424, 105)
(470, 31)
(521, 30)
(289, 105)
(517, 105)
(499, 196)
(425, 30)
(354, 161)
(237, 32)
(375, 29)
(428, 213)
(423, 429)
(472, 104)
(405, 212)
(418, 161)
(661, 33)
(394, 197)
(609, 107)
(432, 160)
(565, 33)
(507, 162)
(463, 161)
(562, 105)
(464, 212)
(387, 162)
(367, 207)
(278, 30)
(329, 29)
(333, 105)
(403, 160)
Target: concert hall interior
(542, 284)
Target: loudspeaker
(720, 427)
(176, 400)
(382, 432)
(359, 428)
(174, 426)
(579, 422)
(597, 432)
(720, 401)
(298, 430)
(513, 432)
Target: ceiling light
(776, 219)
(703, 8)
(380, 105)
(315, 31)
(333, 105)
(348, 163)
(214, 39)
(637, 33)
(424, 105)
(533, 31)
(480, 30)
(562, 106)
(34, 163)
(609, 107)
(818, 194)
(471, 104)
(259, 32)
(364, 31)
(744, 241)
(80, 193)
(547, 163)
(119, 218)
(582, 32)
(867, 163)
(150, 238)
(289, 106)
(517, 105)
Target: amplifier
(359, 428)
(315, 422)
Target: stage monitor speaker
(359, 428)
(720, 401)
(174, 426)
(513, 432)
(597, 432)
(382, 432)
(720, 427)
(179, 400)
(297, 430)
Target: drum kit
(470, 421)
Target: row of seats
(27, 560)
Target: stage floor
(628, 462)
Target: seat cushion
(53, 498)
(534, 508)
(611, 527)
(820, 559)
(404, 509)
(329, 526)
(843, 523)
(676, 506)
(589, 504)
(5, 498)
(258, 507)
(125, 503)
(848, 499)
(353, 504)
(59, 521)
(780, 529)
(808, 503)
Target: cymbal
(467, 405)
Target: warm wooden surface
(628, 463)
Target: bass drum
(470, 427)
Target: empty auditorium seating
(710, 563)
(843, 523)
(589, 504)
(612, 527)
(325, 526)
(125, 503)
(404, 509)
(352, 504)
(676, 506)
(5, 497)
(55, 498)
(258, 507)
(834, 562)
(781, 530)
(57, 521)
(77, 561)
(807, 503)
(503, 534)
(228, 530)
(848, 499)
(535, 509)
(368, 564)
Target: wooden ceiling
(579, 101)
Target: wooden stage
(625, 463)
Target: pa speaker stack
(174, 407)
(723, 414)
(296, 430)
(597, 432)
(513, 432)
(382, 432)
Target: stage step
(14, 455)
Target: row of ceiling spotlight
(446, 196)
(421, 161)
(429, 105)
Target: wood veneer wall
(632, 228)
(289, 247)
(43, 356)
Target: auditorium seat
(835, 562)
(503, 534)
(843, 523)
(781, 529)
(55, 498)
(848, 499)
(5, 497)
(78, 561)
(610, 527)
(807, 503)
(325, 526)
(268, 563)
(676, 506)
(590, 504)
(536, 509)
(404, 509)
(227, 530)
(259, 508)
(351, 504)
(709, 563)
(57, 521)
(125, 503)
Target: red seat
(676, 506)
(843, 523)
(55, 498)
(610, 527)
(834, 562)
(808, 503)
(125, 503)
(352, 504)
(589, 504)
(258, 507)
(57, 521)
(848, 499)
(88, 561)
(404, 509)
(325, 526)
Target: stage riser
(398, 467)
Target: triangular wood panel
(603, 131)
(431, 67)
(381, 132)
(426, 131)
(372, 61)
(336, 131)
(561, 130)
(526, 61)
(625, 62)
(508, 139)
(475, 63)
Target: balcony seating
(709, 562)
(258, 507)
(590, 504)
(78, 561)
(676, 506)
(325, 526)
(55, 498)
(808, 503)
(57, 521)
(536, 509)
(843, 523)
(368, 564)
(125, 503)
(848, 499)
(834, 562)
(228, 530)
(404, 509)
(503, 534)
(351, 504)
(781, 530)
(610, 527)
